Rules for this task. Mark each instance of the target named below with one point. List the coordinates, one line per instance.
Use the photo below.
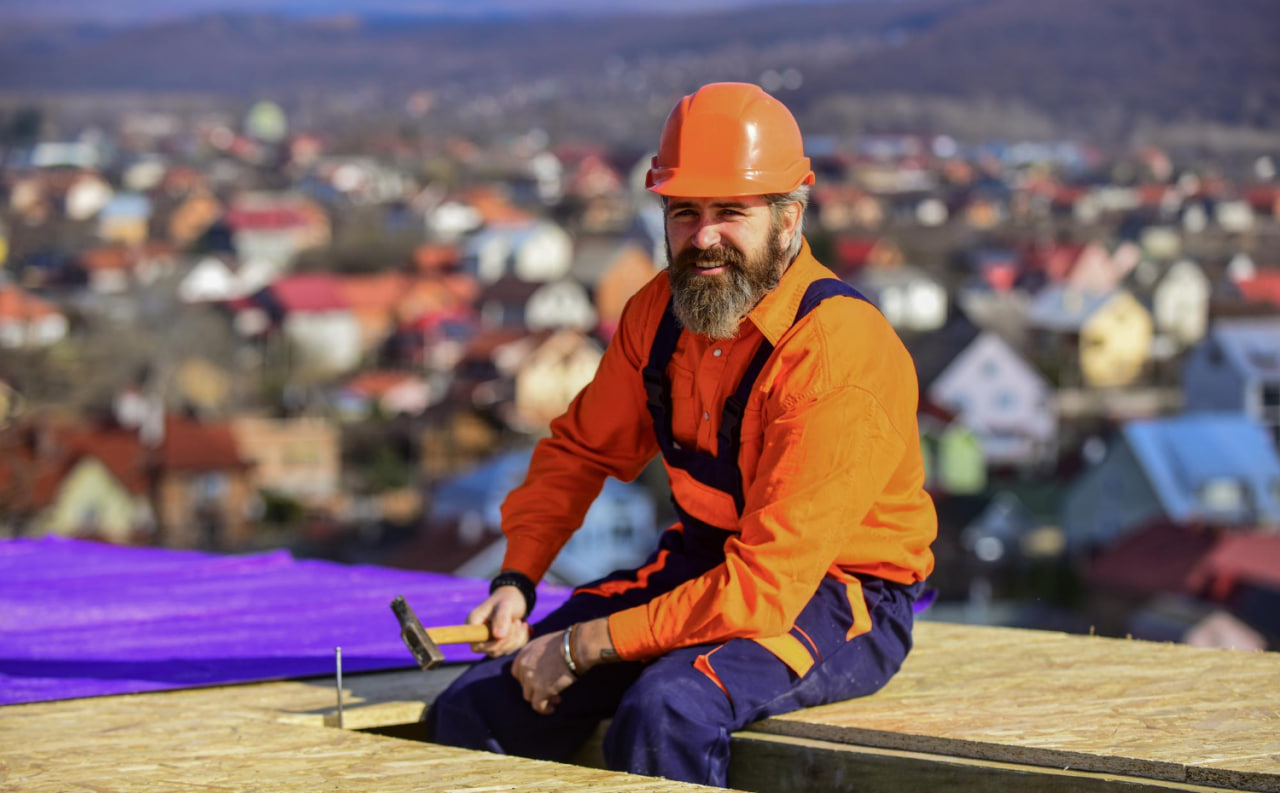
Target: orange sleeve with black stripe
(605, 432)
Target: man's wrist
(521, 582)
(592, 644)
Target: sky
(141, 11)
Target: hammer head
(415, 637)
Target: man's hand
(503, 611)
(542, 673)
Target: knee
(669, 726)
(461, 714)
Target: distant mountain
(1142, 59)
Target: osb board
(782, 764)
(1141, 709)
(247, 738)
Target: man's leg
(676, 719)
(485, 709)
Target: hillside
(1141, 60)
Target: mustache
(721, 255)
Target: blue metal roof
(1181, 455)
(1063, 309)
(1252, 346)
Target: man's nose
(708, 234)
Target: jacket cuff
(632, 638)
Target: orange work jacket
(830, 458)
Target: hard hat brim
(688, 183)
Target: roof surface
(1252, 345)
(81, 619)
(1183, 454)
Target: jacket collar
(775, 313)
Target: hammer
(424, 643)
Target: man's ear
(790, 221)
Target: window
(1222, 496)
(1271, 398)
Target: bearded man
(784, 406)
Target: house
(552, 375)
(504, 303)
(1243, 572)
(1237, 368)
(1177, 295)
(297, 457)
(1261, 289)
(192, 217)
(1095, 340)
(1162, 580)
(202, 486)
(855, 254)
(534, 251)
(115, 268)
(1265, 200)
(841, 206)
(276, 226)
(125, 218)
(563, 303)
(28, 321)
(374, 299)
(1097, 270)
(628, 271)
(464, 536)
(1160, 242)
(86, 196)
(996, 269)
(909, 298)
(994, 393)
(597, 189)
(391, 392)
(322, 334)
(103, 490)
(218, 278)
(1198, 468)
(954, 463)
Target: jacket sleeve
(605, 432)
(830, 447)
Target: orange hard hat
(729, 139)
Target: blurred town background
(275, 278)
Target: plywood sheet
(1141, 709)
(245, 738)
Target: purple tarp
(81, 619)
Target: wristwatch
(521, 582)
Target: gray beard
(715, 305)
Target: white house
(1177, 294)
(1005, 402)
(1237, 369)
(536, 251)
(907, 296)
(560, 304)
(213, 280)
(28, 321)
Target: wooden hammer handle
(459, 634)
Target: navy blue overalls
(672, 717)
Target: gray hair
(777, 202)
